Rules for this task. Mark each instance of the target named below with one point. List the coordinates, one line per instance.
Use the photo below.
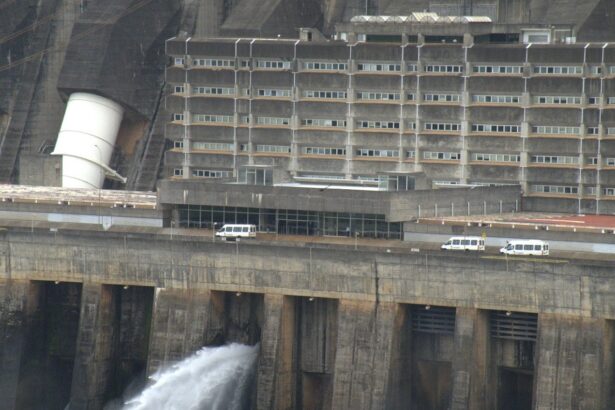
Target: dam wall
(339, 327)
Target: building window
(178, 117)
(495, 128)
(555, 189)
(612, 69)
(383, 96)
(328, 95)
(244, 119)
(271, 92)
(411, 68)
(593, 130)
(213, 90)
(374, 67)
(322, 122)
(441, 126)
(179, 61)
(446, 156)
(591, 160)
(324, 66)
(610, 100)
(324, 151)
(255, 176)
(608, 191)
(442, 97)
(558, 70)
(410, 97)
(594, 100)
(213, 146)
(378, 124)
(213, 63)
(447, 69)
(385, 153)
(275, 121)
(610, 131)
(211, 173)
(610, 162)
(178, 172)
(550, 99)
(277, 149)
(554, 129)
(595, 70)
(212, 118)
(410, 154)
(496, 99)
(273, 64)
(490, 157)
(178, 144)
(178, 89)
(554, 159)
(498, 69)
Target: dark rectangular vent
(433, 319)
(514, 325)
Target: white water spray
(215, 378)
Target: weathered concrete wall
(361, 310)
(13, 312)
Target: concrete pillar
(470, 359)
(275, 377)
(569, 371)
(182, 322)
(94, 354)
(14, 302)
(363, 356)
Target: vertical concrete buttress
(14, 302)
(470, 360)
(182, 322)
(569, 370)
(363, 355)
(94, 355)
(275, 376)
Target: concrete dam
(85, 312)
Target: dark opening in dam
(51, 326)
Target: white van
(237, 231)
(525, 247)
(464, 243)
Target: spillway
(216, 378)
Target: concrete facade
(537, 115)
(356, 305)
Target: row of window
(429, 126)
(392, 66)
(484, 157)
(369, 95)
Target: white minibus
(464, 243)
(525, 247)
(237, 231)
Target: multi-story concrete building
(477, 104)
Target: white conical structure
(86, 139)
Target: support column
(275, 376)
(14, 303)
(569, 371)
(94, 355)
(470, 360)
(182, 322)
(363, 355)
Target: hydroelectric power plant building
(461, 99)
(357, 137)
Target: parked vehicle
(525, 247)
(237, 231)
(464, 243)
